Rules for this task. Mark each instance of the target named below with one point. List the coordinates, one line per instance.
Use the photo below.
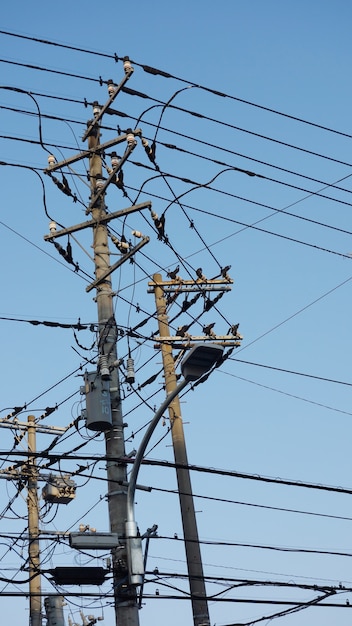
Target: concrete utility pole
(189, 522)
(106, 379)
(33, 529)
(126, 609)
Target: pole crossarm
(94, 222)
(189, 341)
(40, 428)
(118, 263)
(190, 286)
(98, 149)
(19, 474)
(103, 109)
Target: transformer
(59, 490)
(98, 403)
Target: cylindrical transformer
(130, 377)
(98, 404)
(54, 611)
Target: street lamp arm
(142, 448)
(133, 540)
(199, 360)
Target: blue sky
(280, 407)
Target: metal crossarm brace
(113, 267)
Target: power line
(181, 109)
(263, 547)
(286, 371)
(191, 467)
(158, 72)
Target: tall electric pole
(126, 609)
(199, 287)
(106, 414)
(189, 522)
(33, 529)
(106, 380)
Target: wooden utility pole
(33, 529)
(126, 609)
(189, 522)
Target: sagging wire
(30, 95)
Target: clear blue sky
(280, 407)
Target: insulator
(111, 87)
(104, 367)
(130, 377)
(51, 160)
(137, 233)
(123, 245)
(131, 139)
(114, 159)
(127, 65)
(154, 215)
(145, 143)
(52, 227)
(96, 108)
(99, 182)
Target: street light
(199, 360)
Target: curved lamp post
(199, 360)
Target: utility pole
(126, 608)
(200, 286)
(62, 490)
(33, 529)
(54, 611)
(189, 522)
(103, 385)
